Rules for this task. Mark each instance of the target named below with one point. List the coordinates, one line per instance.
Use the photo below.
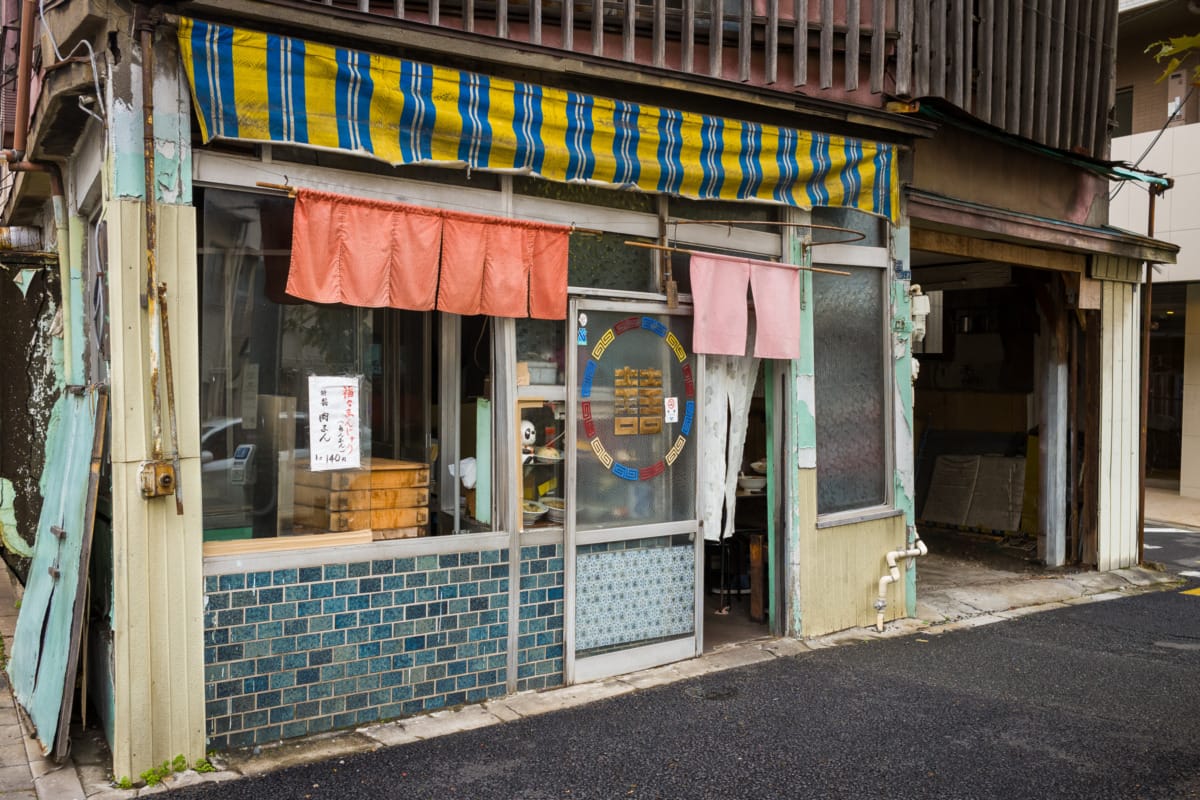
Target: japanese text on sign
(638, 398)
(333, 415)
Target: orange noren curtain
(374, 253)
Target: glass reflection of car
(232, 463)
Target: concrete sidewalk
(995, 597)
(25, 773)
(1166, 505)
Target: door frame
(639, 656)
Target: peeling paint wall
(30, 383)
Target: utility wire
(1178, 110)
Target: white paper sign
(333, 405)
(670, 410)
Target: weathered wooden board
(399, 533)
(383, 473)
(360, 499)
(367, 518)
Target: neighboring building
(393, 409)
(1157, 125)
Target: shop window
(852, 387)
(604, 261)
(541, 422)
(322, 421)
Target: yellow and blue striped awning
(263, 87)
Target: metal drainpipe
(15, 157)
(1155, 191)
(145, 28)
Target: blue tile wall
(540, 624)
(292, 652)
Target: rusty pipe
(145, 27)
(24, 74)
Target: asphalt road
(1177, 548)
(1095, 701)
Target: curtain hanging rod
(858, 236)
(781, 265)
(291, 192)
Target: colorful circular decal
(638, 399)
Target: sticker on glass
(582, 319)
(670, 410)
(581, 337)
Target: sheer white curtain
(728, 387)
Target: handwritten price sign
(333, 413)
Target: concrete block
(442, 723)
(15, 778)
(304, 751)
(541, 702)
(500, 710)
(781, 648)
(60, 784)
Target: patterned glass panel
(634, 593)
(848, 327)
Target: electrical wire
(1178, 110)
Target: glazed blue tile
(334, 605)
(335, 571)
(283, 576)
(358, 602)
(283, 680)
(268, 664)
(284, 644)
(309, 574)
(230, 582)
(230, 652)
(243, 599)
(258, 613)
(283, 611)
(308, 675)
(381, 600)
(347, 620)
(358, 635)
(320, 590)
(358, 569)
(268, 597)
(333, 638)
(308, 641)
(296, 592)
(346, 587)
(294, 660)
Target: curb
(257, 761)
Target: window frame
(878, 258)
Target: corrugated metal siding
(158, 586)
(1119, 422)
(839, 568)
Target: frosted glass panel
(636, 460)
(848, 328)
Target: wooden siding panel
(985, 49)
(878, 43)
(826, 55)
(1000, 70)
(853, 14)
(905, 54)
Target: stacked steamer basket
(391, 498)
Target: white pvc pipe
(893, 574)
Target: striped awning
(262, 87)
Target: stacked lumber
(388, 497)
